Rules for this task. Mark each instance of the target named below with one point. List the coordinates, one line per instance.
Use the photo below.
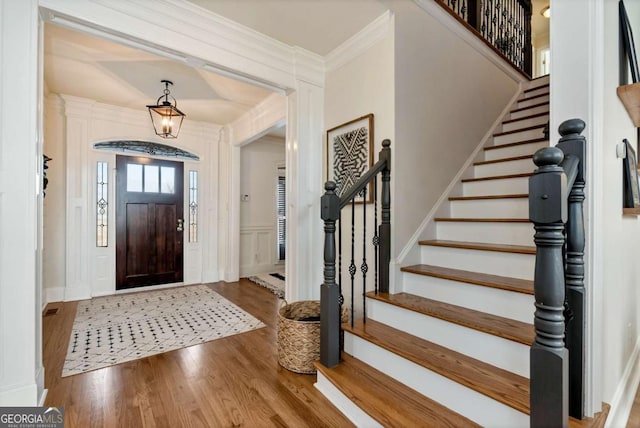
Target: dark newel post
(329, 292)
(528, 48)
(475, 14)
(385, 225)
(549, 358)
(572, 143)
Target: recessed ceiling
(316, 25)
(86, 66)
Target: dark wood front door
(149, 222)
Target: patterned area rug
(273, 281)
(115, 329)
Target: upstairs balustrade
(505, 25)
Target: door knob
(180, 228)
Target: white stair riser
(514, 265)
(503, 303)
(528, 112)
(513, 151)
(487, 208)
(525, 123)
(465, 401)
(504, 168)
(494, 350)
(518, 136)
(489, 232)
(537, 82)
(504, 186)
(532, 101)
(538, 91)
(348, 408)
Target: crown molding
(357, 44)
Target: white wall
(447, 96)
(74, 267)
(584, 77)
(361, 86)
(259, 163)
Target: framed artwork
(349, 154)
(628, 56)
(630, 178)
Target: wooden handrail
(556, 210)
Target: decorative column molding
(78, 113)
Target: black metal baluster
(364, 268)
(376, 239)
(352, 265)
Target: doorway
(149, 222)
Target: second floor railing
(505, 25)
(331, 292)
(556, 197)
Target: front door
(149, 222)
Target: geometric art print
(114, 329)
(349, 152)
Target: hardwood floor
(634, 416)
(230, 382)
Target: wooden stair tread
(505, 328)
(504, 248)
(482, 220)
(499, 384)
(494, 281)
(517, 143)
(536, 88)
(533, 97)
(525, 117)
(529, 107)
(515, 131)
(474, 198)
(497, 177)
(386, 400)
(514, 158)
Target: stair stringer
(410, 254)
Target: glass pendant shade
(165, 116)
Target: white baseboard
(53, 294)
(20, 395)
(625, 392)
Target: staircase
(453, 348)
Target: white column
(20, 316)
(305, 142)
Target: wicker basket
(299, 341)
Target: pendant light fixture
(165, 116)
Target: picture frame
(350, 154)
(628, 57)
(630, 178)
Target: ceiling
(318, 26)
(86, 66)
